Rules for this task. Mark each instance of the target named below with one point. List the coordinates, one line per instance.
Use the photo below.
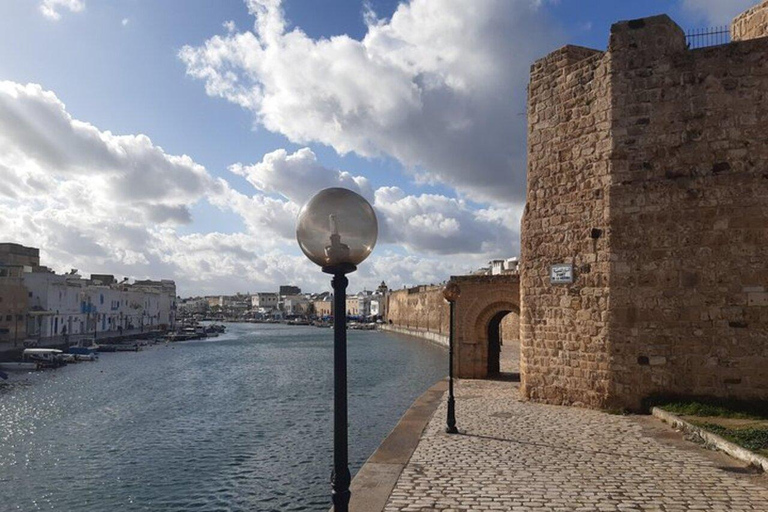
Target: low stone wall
(439, 339)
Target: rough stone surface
(751, 24)
(514, 455)
(648, 172)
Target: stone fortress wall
(648, 172)
(423, 312)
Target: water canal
(240, 422)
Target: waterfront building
(376, 305)
(296, 305)
(323, 307)
(45, 304)
(264, 300)
(353, 306)
(193, 305)
(13, 303)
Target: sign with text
(561, 274)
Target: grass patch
(704, 409)
(755, 439)
(716, 407)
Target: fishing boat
(44, 357)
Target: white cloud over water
(102, 202)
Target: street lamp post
(451, 293)
(337, 230)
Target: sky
(179, 139)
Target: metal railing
(705, 37)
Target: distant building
(353, 306)
(264, 300)
(36, 302)
(289, 290)
(323, 307)
(19, 255)
(296, 305)
(13, 303)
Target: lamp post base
(450, 427)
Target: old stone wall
(510, 327)
(688, 215)
(421, 308)
(564, 348)
(648, 171)
(751, 24)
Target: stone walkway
(514, 455)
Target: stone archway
(483, 304)
(488, 334)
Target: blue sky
(121, 67)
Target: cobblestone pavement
(514, 455)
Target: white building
(265, 300)
(70, 305)
(296, 305)
(376, 305)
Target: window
(30, 294)
(19, 317)
(8, 318)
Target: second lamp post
(451, 293)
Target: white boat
(44, 356)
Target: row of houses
(287, 302)
(35, 302)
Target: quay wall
(439, 339)
(648, 173)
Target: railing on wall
(704, 37)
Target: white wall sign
(561, 274)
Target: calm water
(240, 422)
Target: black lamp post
(337, 230)
(451, 293)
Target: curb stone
(375, 481)
(718, 442)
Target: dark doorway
(494, 344)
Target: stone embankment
(434, 337)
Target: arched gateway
(483, 304)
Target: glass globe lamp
(337, 230)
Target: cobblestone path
(514, 455)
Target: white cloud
(298, 176)
(717, 12)
(48, 156)
(440, 86)
(125, 21)
(107, 203)
(51, 8)
(426, 224)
